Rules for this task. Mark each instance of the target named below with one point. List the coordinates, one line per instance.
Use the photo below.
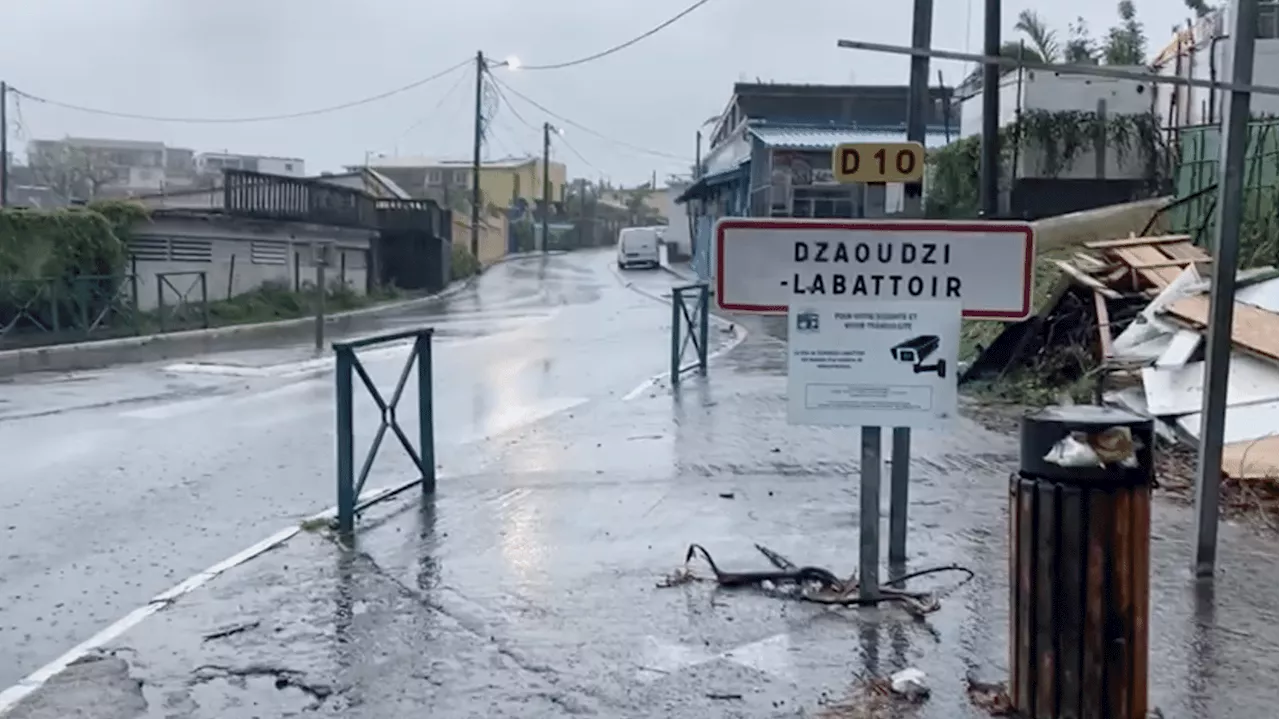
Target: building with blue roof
(770, 152)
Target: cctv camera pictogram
(916, 350)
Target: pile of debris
(1132, 314)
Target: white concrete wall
(677, 232)
(1056, 92)
(263, 252)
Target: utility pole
(918, 94)
(546, 181)
(918, 107)
(1226, 253)
(475, 155)
(4, 144)
(697, 155)
(989, 185)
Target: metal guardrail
(348, 366)
(689, 326)
(186, 311)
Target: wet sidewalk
(529, 589)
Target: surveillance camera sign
(872, 363)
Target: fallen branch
(818, 585)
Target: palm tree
(1199, 7)
(1009, 49)
(1043, 39)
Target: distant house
(505, 183)
(770, 150)
(215, 162)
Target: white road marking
(33, 681)
(771, 655)
(739, 336)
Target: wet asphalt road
(117, 484)
(528, 588)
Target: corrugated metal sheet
(824, 138)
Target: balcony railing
(274, 197)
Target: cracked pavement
(527, 586)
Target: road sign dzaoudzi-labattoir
(763, 265)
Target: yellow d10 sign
(878, 162)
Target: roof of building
(368, 174)
(248, 156)
(435, 162)
(108, 143)
(826, 138)
(700, 186)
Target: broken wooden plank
(1136, 241)
(1086, 280)
(1171, 263)
(1184, 251)
(1253, 329)
(1104, 325)
(1090, 263)
(1252, 459)
(1158, 276)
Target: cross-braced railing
(348, 366)
(690, 308)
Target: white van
(638, 247)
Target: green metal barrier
(182, 300)
(348, 365)
(689, 326)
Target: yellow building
(502, 182)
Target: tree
(638, 210)
(71, 171)
(1200, 7)
(1043, 39)
(1009, 49)
(1126, 43)
(1080, 49)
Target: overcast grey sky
(230, 58)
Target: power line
(589, 131)
(434, 114)
(242, 120)
(617, 48)
(577, 154)
(505, 101)
(531, 126)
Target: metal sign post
(1226, 250)
(851, 283)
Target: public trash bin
(1079, 551)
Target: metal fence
(182, 300)
(689, 320)
(45, 311)
(51, 311)
(347, 367)
(1196, 177)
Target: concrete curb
(151, 348)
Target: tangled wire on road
(821, 586)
